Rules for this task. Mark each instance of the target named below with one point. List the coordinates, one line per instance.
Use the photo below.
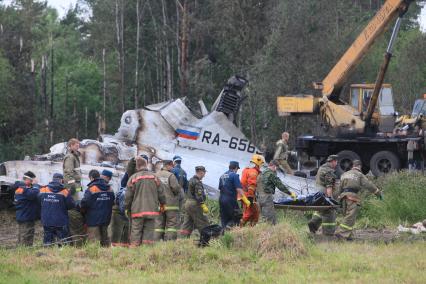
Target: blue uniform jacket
(26, 203)
(55, 202)
(181, 177)
(228, 184)
(97, 202)
(120, 198)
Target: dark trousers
(52, 234)
(229, 211)
(98, 234)
(119, 229)
(26, 233)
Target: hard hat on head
(258, 160)
(356, 163)
(332, 158)
(177, 158)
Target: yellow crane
(365, 126)
(359, 112)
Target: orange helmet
(258, 160)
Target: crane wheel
(345, 161)
(384, 162)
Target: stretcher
(305, 207)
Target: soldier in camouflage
(267, 181)
(195, 206)
(72, 182)
(352, 183)
(166, 224)
(326, 180)
(282, 153)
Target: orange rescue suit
(249, 183)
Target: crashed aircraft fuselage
(160, 131)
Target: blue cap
(107, 173)
(234, 164)
(58, 176)
(177, 158)
(145, 157)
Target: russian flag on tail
(191, 135)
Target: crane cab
(419, 107)
(384, 114)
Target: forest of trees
(74, 76)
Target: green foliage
(280, 46)
(404, 201)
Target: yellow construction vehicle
(364, 126)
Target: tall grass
(404, 200)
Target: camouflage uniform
(266, 183)
(352, 183)
(325, 178)
(193, 216)
(281, 155)
(120, 224)
(72, 180)
(166, 224)
(143, 197)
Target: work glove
(293, 195)
(205, 208)
(245, 200)
(162, 208)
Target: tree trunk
(168, 62)
(104, 87)
(52, 80)
(184, 48)
(119, 19)
(138, 18)
(44, 83)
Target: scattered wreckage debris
(415, 229)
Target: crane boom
(338, 76)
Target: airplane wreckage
(160, 131)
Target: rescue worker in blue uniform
(27, 208)
(55, 202)
(97, 204)
(180, 173)
(229, 186)
(182, 179)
